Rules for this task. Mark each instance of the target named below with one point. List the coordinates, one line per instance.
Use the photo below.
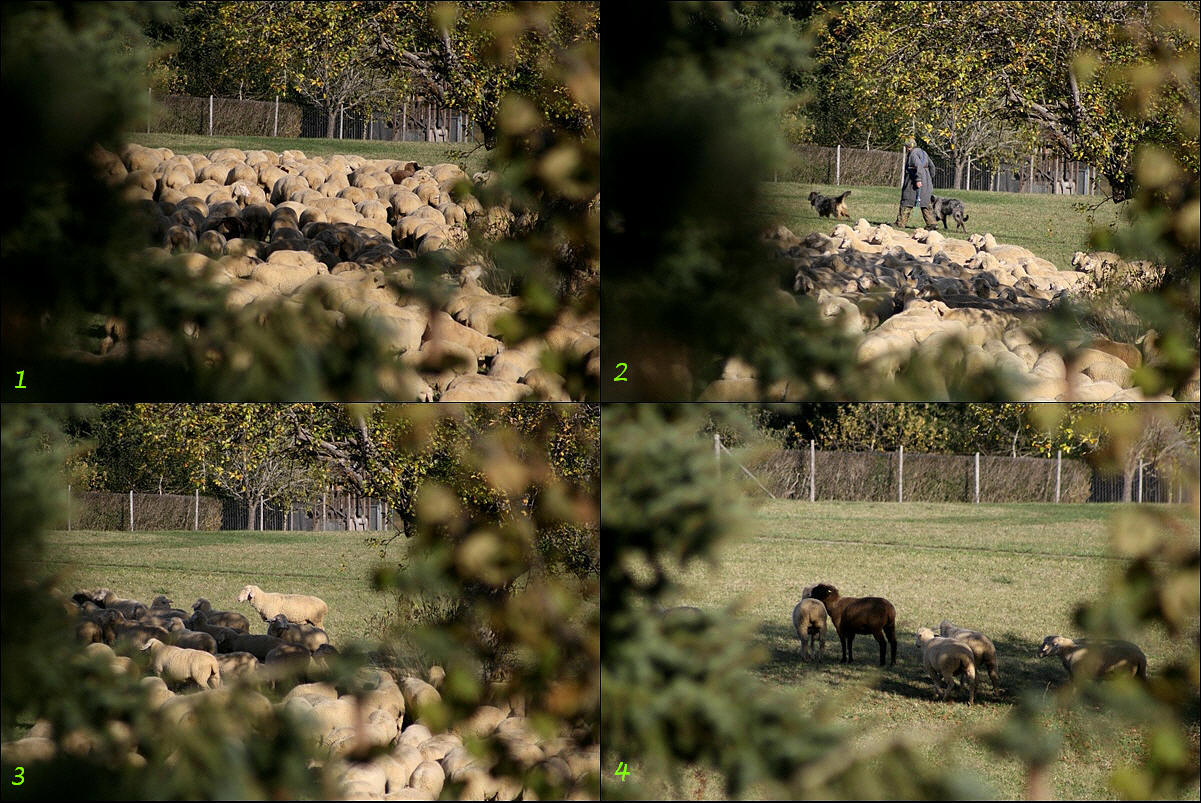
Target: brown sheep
(860, 615)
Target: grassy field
(469, 156)
(1045, 224)
(335, 566)
(1012, 571)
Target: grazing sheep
(130, 608)
(859, 615)
(305, 635)
(197, 622)
(180, 636)
(235, 664)
(944, 658)
(230, 619)
(983, 650)
(256, 645)
(297, 607)
(809, 622)
(1096, 658)
(180, 665)
(116, 627)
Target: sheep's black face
(1048, 647)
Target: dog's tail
(842, 197)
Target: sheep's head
(944, 627)
(202, 604)
(176, 624)
(247, 593)
(824, 592)
(150, 642)
(160, 602)
(924, 634)
(1051, 646)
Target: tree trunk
(330, 121)
(958, 173)
(250, 512)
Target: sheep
(297, 607)
(983, 650)
(116, 627)
(1084, 658)
(256, 645)
(129, 608)
(230, 619)
(944, 658)
(809, 622)
(181, 665)
(859, 615)
(197, 622)
(237, 663)
(180, 636)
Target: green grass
(1013, 571)
(1045, 224)
(335, 566)
(463, 153)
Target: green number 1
(622, 770)
(21, 380)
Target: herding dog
(830, 207)
(949, 207)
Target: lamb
(256, 645)
(230, 619)
(983, 650)
(945, 658)
(180, 636)
(809, 622)
(1094, 659)
(237, 663)
(306, 635)
(181, 665)
(297, 607)
(859, 615)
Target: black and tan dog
(828, 206)
(949, 207)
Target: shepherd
(917, 188)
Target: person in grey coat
(918, 186)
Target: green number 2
(20, 776)
(622, 376)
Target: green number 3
(20, 776)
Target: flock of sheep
(206, 648)
(956, 654)
(910, 294)
(275, 228)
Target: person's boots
(928, 216)
(902, 217)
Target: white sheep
(303, 634)
(296, 607)
(945, 658)
(983, 650)
(1096, 658)
(181, 665)
(809, 622)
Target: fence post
(1032, 172)
(149, 107)
(275, 128)
(1140, 480)
(260, 512)
(210, 115)
(196, 520)
(717, 453)
(1058, 469)
(837, 164)
(341, 120)
(323, 511)
(68, 507)
(813, 471)
(901, 474)
(977, 478)
(131, 510)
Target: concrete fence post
(977, 478)
(68, 507)
(196, 518)
(1140, 480)
(813, 471)
(210, 115)
(131, 511)
(717, 452)
(275, 127)
(837, 164)
(901, 473)
(1058, 472)
(260, 512)
(149, 107)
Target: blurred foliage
(77, 73)
(504, 531)
(678, 688)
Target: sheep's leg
(804, 648)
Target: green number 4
(622, 770)
(20, 777)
